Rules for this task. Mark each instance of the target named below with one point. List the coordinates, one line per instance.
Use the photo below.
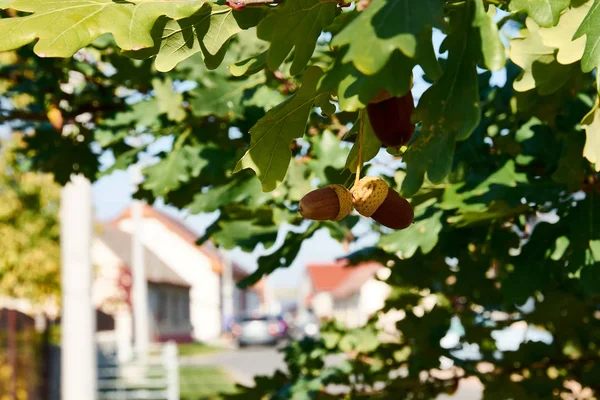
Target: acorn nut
(390, 118)
(331, 203)
(372, 197)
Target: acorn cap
(345, 200)
(331, 203)
(368, 194)
(381, 96)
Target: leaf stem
(360, 142)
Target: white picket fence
(153, 376)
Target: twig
(360, 141)
(240, 4)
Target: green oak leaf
(590, 27)
(237, 233)
(496, 210)
(327, 153)
(492, 49)
(562, 243)
(449, 109)
(235, 191)
(221, 96)
(468, 199)
(422, 234)
(561, 36)
(370, 143)
(176, 168)
(5, 4)
(250, 65)
(297, 24)
(207, 31)
(591, 124)
(123, 160)
(544, 12)
(355, 90)
(541, 70)
(64, 27)
(269, 153)
(297, 182)
(371, 39)
(167, 174)
(169, 101)
(362, 340)
(140, 116)
(282, 257)
(265, 98)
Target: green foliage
(371, 39)
(30, 252)
(367, 148)
(64, 27)
(591, 28)
(592, 144)
(273, 133)
(295, 25)
(544, 12)
(449, 109)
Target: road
(242, 364)
(245, 364)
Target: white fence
(153, 376)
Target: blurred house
(349, 294)
(185, 281)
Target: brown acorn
(331, 203)
(372, 197)
(390, 118)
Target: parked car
(256, 330)
(284, 327)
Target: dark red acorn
(390, 118)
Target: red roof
(357, 278)
(339, 278)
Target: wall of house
(354, 311)
(372, 298)
(105, 292)
(347, 311)
(193, 266)
(322, 305)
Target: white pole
(228, 290)
(172, 365)
(140, 286)
(78, 325)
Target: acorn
(331, 203)
(373, 198)
(390, 118)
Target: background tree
(29, 230)
(503, 178)
(29, 260)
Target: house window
(169, 305)
(173, 314)
(163, 307)
(184, 306)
